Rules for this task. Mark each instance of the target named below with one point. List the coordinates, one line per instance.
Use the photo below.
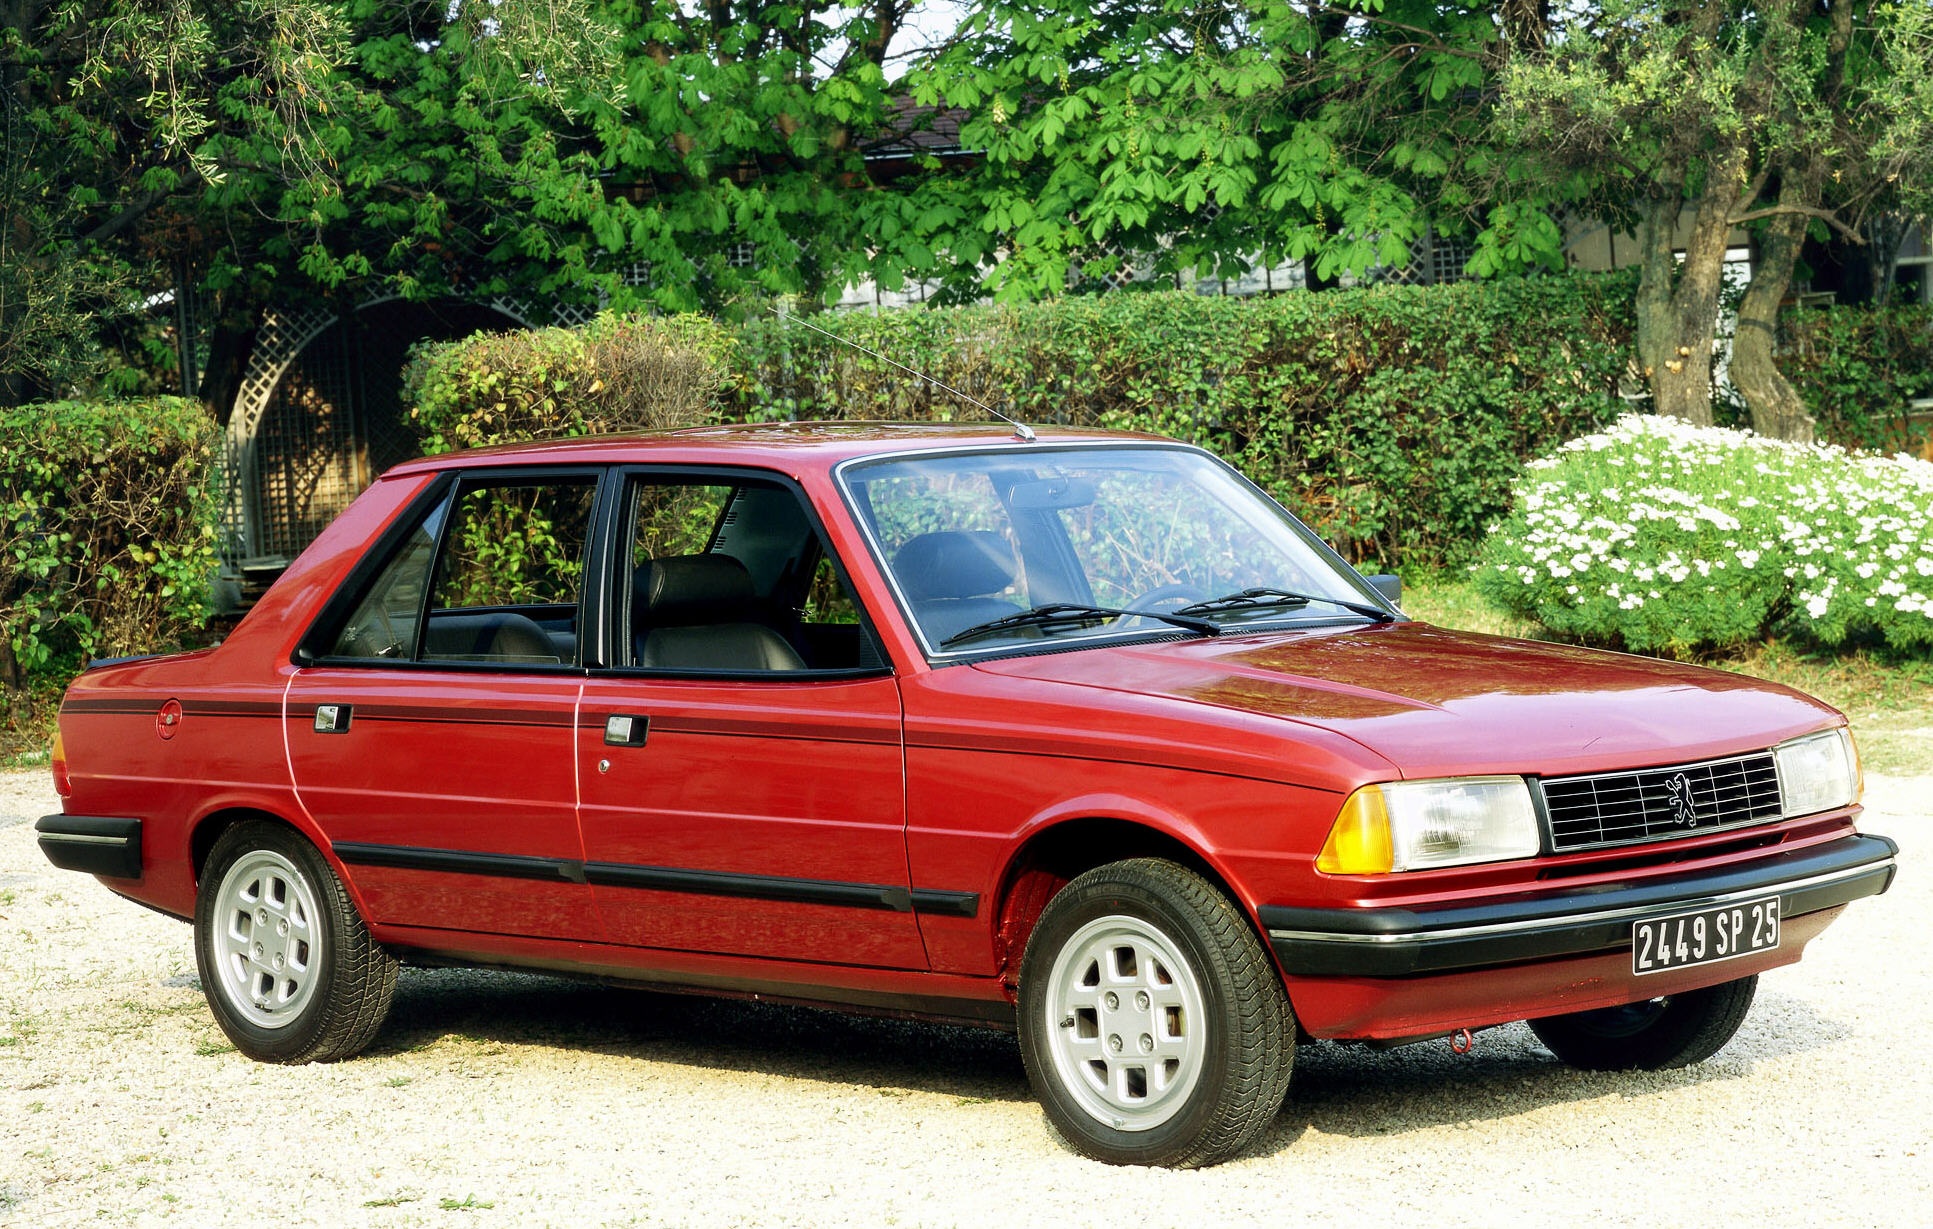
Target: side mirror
(1390, 586)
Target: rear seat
(497, 636)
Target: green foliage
(1201, 136)
(1858, 368)
(516, 546)
(1393, 419)
(109, 531)
(618, 373)
(272, 151)
(1664, 538)
(741, 124)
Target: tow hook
(1462, 1042)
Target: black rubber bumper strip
(662, 879)
(1404, 942)
(757, 887)
(93, 844)
(458, 862)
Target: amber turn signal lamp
(62, 784)
(1359, 843)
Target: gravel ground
(502, 1099)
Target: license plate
(1704, 936)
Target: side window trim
(615, 579)
(428, 598)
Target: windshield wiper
(1070, 612)
(1263, 599)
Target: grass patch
(1888, 697)
(1451, 601)
(469, 1203)
(209, 1049)
(392, 1201)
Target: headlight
(1818, 772)
(1421, 825)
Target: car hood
(1436, 702)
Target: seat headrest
(689, 588)
(955, 564)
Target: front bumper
(93, 844)
(1405, 942)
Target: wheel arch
(1065, 846)
(209, 828)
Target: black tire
(1189, 1065)
(1674, 1031)
(321, 986)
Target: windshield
(972, 540)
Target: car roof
(783, 445)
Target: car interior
(724, 578)
(737, 579)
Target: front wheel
(289, 969)
(1676, 1030)
(1153, 1024)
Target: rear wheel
(1675, 1030)
(287, 965)
(1154, 1026)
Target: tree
(1788, 114)
(274, 150)
(1205, 136)
(733, 156)
(271, 152)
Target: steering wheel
(1161, 595)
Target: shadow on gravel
(721, 1034)
(1338, 1089)
(1360, 1092)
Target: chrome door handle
(626, 729)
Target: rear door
(431, 737)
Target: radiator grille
(1661, 804)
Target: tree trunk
(1656, 227)
(231, 340)
(1777, 410)
(1682, 388)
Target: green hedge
(617, 373)
(1857, 368)
(109, 532)
(1393, 419)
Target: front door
(740, 766)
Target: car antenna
(1021, 430)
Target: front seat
(699, 612)
(950, 577)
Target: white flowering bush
(1661, 537)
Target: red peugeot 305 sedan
(1079, 735)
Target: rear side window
(492, 574)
